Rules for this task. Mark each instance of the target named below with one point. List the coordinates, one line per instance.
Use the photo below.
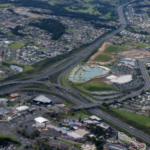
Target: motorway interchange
(69, 63)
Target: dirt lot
(100, 51)
(135, 54)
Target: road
(73, 61)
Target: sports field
(141, 119)
(16, 45)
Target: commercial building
(3, 102)
(41, 120)
(111, 77)
(41, 99)
(110, 146)
(13, 95)
(95, 118)
(122, 79)
(22, 108)
(40, 125)
(88, 147)
(82, 132)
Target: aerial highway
(69, 63)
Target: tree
(79, 118)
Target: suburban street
(80, 102)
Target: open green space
(6, 65)
(53, 2)
(5, 5)
(89, 9)
(80, 113)
(68, 105)
(141, 119)
(16, 45)
(103, 58)
(113, 49)
(36, 85)
(94, 86)
(142, 45)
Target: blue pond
(3, 111)
(83, 75)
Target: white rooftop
(122, 79)
(42, 98)
(111, 77)
(95, 118)
(22, 108)
(41, 120)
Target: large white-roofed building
(95, 118)
(122, 79)
(41, 99)
(41, 120)
(111, 77)
(22, 108)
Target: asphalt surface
(71, 62)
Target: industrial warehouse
(41, 99)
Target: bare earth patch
(100, 51)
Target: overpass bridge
(87, 106)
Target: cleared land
(103, 58)
(95, 86)
(113, 49)
(100, 50)
(16, 45)
(141, 119)
(142, 45)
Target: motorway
(69, 63)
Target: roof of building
(40, 125)
(88, 147)
(74, 135)
(122, 79)
(41, 120)
(103, 125)
(21, 108)
(95, 118)
(81, 132)
(56, 128)
(42, 98)
(111, 77)
(114, 146)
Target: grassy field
(141, 119)
(7, 66)
(95, 86)
(90, 9)
(53, 2)
(79, 113)
(5, 5)
(103, 58)
(16, 45)
(34, 85)
(68, 105)
(142, 45)
(113, 49)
